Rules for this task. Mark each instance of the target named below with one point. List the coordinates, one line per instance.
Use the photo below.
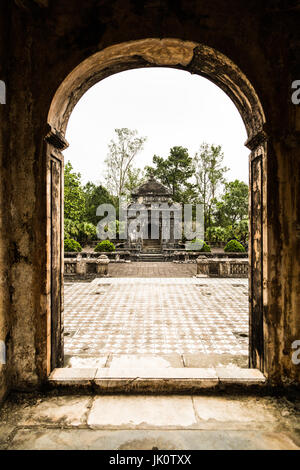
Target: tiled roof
(152, 187)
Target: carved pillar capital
(55, 138)
(256, 140)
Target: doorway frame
(194, 58)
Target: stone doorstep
(170, 379)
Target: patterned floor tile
(156, 316)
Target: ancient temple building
(159, 218)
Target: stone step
(151, 257)
(151, 249)
(149, 244)
(163, 380)
(153, 260)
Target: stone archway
(194, 58)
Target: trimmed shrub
(105, 245)
(205, 247)
(233, 246)
(72, 245)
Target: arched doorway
(183, 55)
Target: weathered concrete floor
(143, 422)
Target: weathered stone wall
(46, 44)
(4, 202)
(282, 305)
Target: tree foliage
(80, 206)
(209, 175)
(238, 231)
(74, 205)
(174, 172)
(95, 196)
(83, 232)
(232, 208)
(122, 151)
(216, 234)
(135, 178)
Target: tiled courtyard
(152, 269)
(182, 316)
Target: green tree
(242, 231)
(238, 231)
(232, 208)
(122, 152)
(95, 196)
(216, 234)
(174, 172)
(71, 229)
(74, 201)
(209, 175)
(135, 177)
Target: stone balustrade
(113, 256)
(184, 255)
(83, 266)
(226, 267)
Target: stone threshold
(164, 380)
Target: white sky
(171, 107)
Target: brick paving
(156, 315)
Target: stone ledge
(240, 376)
(73, 376)
(161, 373)
(160, 380)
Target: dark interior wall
(46, 43)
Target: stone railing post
(80, 265)
(202, 266)
(224, 268)
(102, 265)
